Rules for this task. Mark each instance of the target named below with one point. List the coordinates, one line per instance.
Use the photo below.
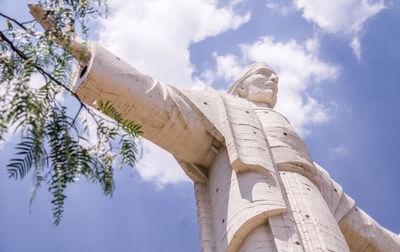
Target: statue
(257, 189)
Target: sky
(337, 61)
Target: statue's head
(257, 83)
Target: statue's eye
(265, 72)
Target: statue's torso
(240, 212)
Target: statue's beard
(263, 94)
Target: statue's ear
(242, 91)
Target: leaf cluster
(55, 144)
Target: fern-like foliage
(131, 129)
(54, 146)
(28, 154)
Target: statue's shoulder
(205, 100)
(209, 105)
(195, 94)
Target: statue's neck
(260, 105)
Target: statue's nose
(274, 78)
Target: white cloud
(342, 17)
(298, 68)
(36, 81)
(312, 45)
(154, 36)
(339, 151)
(278, 6)
(356, 46)
(159, 166)
(227, 66)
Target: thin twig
(28, 22)
(76, 116)
(19, 23)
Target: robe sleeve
(362, 233)
(165, 117)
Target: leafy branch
(54, 145)
(131, 131)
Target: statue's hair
(247, 72)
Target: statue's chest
(286, 145)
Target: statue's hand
(69, 42)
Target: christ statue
(256, 186)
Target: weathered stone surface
(260, 239)
(256, 186)
(239, 202)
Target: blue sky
(338, 63)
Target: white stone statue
(257, 189)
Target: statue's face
(261, 87)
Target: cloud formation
(339, 151)
(341, 17)
(154, 36)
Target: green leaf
(10, 27)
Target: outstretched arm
(166, 118)
(364, 234)
(361, 232)
(164, 115)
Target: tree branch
(42, 71)
(76, 116)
